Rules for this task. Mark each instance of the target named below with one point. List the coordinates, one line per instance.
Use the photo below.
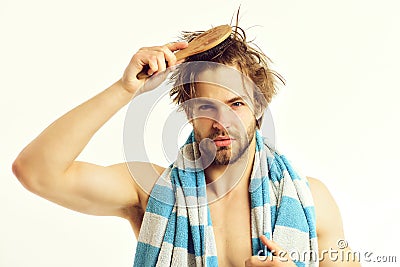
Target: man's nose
(223, 119)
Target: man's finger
(177, 46)
(271, 245)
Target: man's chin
(224, 158)
(221, 158)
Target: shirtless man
(48, 168)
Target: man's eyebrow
(203, 101)
(211, 101)
(237, 98)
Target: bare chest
(231, 224)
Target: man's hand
(156, 57)
(276, 259)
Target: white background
(337, 118)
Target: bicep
(98, 190)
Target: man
(225, 110)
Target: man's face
(222, 115)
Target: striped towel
(177, 229)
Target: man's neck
(223, 179)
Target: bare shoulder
(316, 184)
(321, 194)
(329, 223)
(327, 211)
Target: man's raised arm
(47, 166)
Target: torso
(230, 217)
(231, 220)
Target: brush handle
(143, 74)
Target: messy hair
(234, 51)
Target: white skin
(48, 167)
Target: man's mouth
(223, 141)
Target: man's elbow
(27, 176)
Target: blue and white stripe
(177, 230)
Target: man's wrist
(120, 94)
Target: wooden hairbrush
(199, 44)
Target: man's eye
(206, 107)
(237, 104)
